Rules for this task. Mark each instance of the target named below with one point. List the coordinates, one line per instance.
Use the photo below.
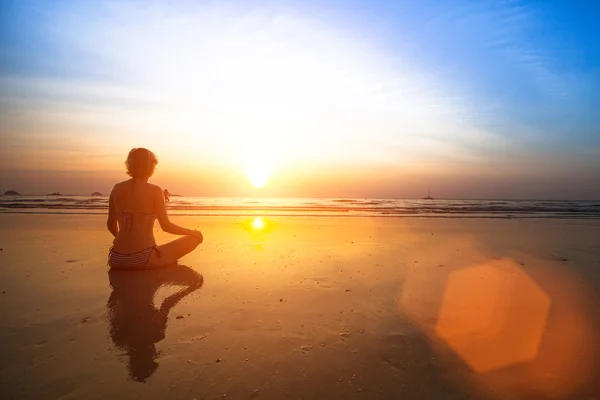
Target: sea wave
(318, 207)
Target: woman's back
(132, 208)
(135, 208)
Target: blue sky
(454, 93)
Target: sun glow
(258, 176)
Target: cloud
(220, 73)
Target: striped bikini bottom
(137, 260)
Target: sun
(258, 174)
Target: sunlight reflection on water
(258, 223)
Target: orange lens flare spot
(493, 315)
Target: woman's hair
(140, 163)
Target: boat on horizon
(428, 197)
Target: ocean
(329, 207)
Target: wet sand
(292, 308)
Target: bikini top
(127, 216)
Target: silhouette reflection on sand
(136, 323)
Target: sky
(471, 99)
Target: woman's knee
(194, 241)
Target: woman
(133, 206)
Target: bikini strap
(127, 219)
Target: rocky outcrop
(96, 194)
(12, 193)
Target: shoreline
(300, 215)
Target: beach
(305, 307)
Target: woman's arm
(111, 222)
(163, 218)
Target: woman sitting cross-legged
(133, 206)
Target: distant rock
(54, 194)
(12, 193)
(96, 194)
